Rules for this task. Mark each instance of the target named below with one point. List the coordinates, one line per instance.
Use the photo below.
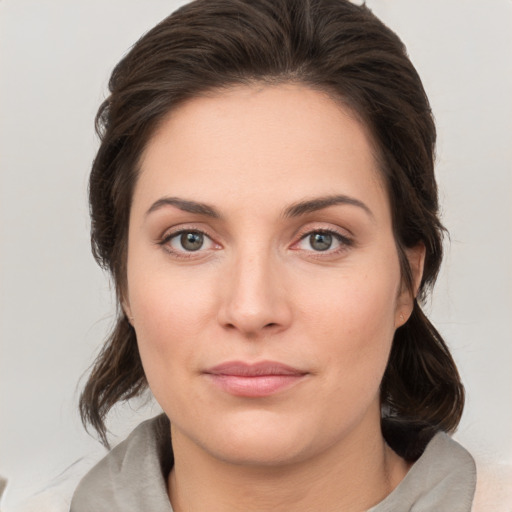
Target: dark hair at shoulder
(332, 46)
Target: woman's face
(263, 277)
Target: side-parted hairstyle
(331, 46)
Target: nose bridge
(253, 295)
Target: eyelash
(344, 241)
(165, 242)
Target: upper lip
(259, 369)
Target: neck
(351, 476)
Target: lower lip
(254, 387)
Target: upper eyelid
(322, 230)
(340, 232)
(341, 238)
(178, 230)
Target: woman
(264, 197)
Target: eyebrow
(295, 210)
(186, 206)
(319, 203)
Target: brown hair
(332, 46)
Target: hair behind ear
(421, 384)
(117, 374)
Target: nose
(254, 299)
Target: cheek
(170, 315)
(353, 318)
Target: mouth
(254, 380)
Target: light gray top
(132, 477)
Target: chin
(261, 440)
(258, 450)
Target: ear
(125, 304)
(405, 303)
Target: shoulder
(493, 488)
(441, 479)
(101, 471)
(133, 476)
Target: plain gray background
(55, 304)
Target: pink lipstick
(254, 380)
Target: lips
(254, 380)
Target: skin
(259, 290)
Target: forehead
(259, 143)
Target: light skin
(260, 230)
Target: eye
(320, 241)
(188, 241)
(191, 241)
(323, 241)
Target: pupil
(192, 241)
(320, 241)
